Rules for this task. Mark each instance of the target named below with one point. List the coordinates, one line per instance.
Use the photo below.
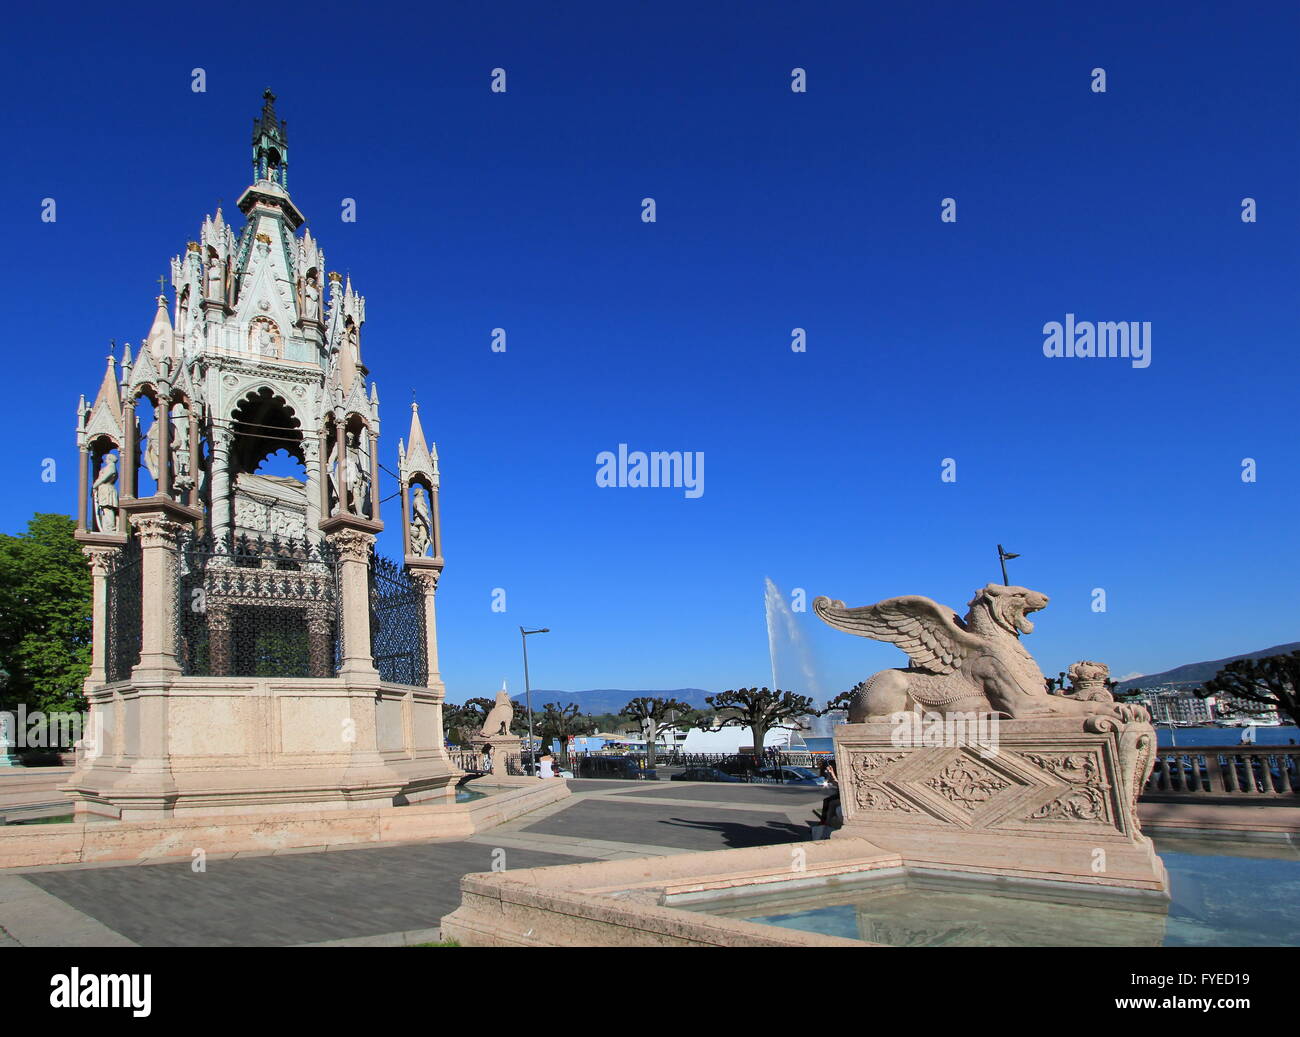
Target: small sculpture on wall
(105, 495)
(216, 279)
(311, 298)
(421, 523)
(265, 340)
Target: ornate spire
(162, 339)
(417, 458)
(110, 394)
(270, 145)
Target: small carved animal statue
(497, 722)
(976, 664)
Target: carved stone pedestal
(502, 748)
(1047, 799)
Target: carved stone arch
(263, 421)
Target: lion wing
(930, 634)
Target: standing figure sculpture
(421, 524)
(311, 299)
(216, 279)
(977, 664)
(105, 495)
(357, 476)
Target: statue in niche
(183, 312)
(151, 453)
(105, 495)
(421, 524)
(311, 299)
(216, 278)
(358, 476)
(354, 343)
(264, 339)
(182, 477)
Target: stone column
(311, 461)
(341, 464)
(406, 518)
(353, 546)
(159, 542)
(82, 480)
(324, 475)
(374, 477)
(130, 460)
(193, 498)
(162, 422)
(426, 578)
(101, 562)
(219, 480)
(435, 513)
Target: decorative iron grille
(123, 635)
(256, 607)
(397, 639)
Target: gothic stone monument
(251, 650)
(1048, 786)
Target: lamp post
(1002, 557)
(528, 691)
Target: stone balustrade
(1239, 771)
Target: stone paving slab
(288, 899)
(688, 827)
(32, 917)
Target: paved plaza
(391, 894)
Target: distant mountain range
(1193, 675)
(612, 700)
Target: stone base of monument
(191, 747)
(503, 748)
(269, 831)
(1050, 799)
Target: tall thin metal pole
(528, 695)
(1002, 558)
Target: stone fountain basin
(667, 901)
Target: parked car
(790, 776)
(705, 774)
(625, 767)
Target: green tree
(1272, 681)
(462, 723)
(562, 722)
(760, 710)
(844, 699)
(651, 714)
(45, 615)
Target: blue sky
(775, 210)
